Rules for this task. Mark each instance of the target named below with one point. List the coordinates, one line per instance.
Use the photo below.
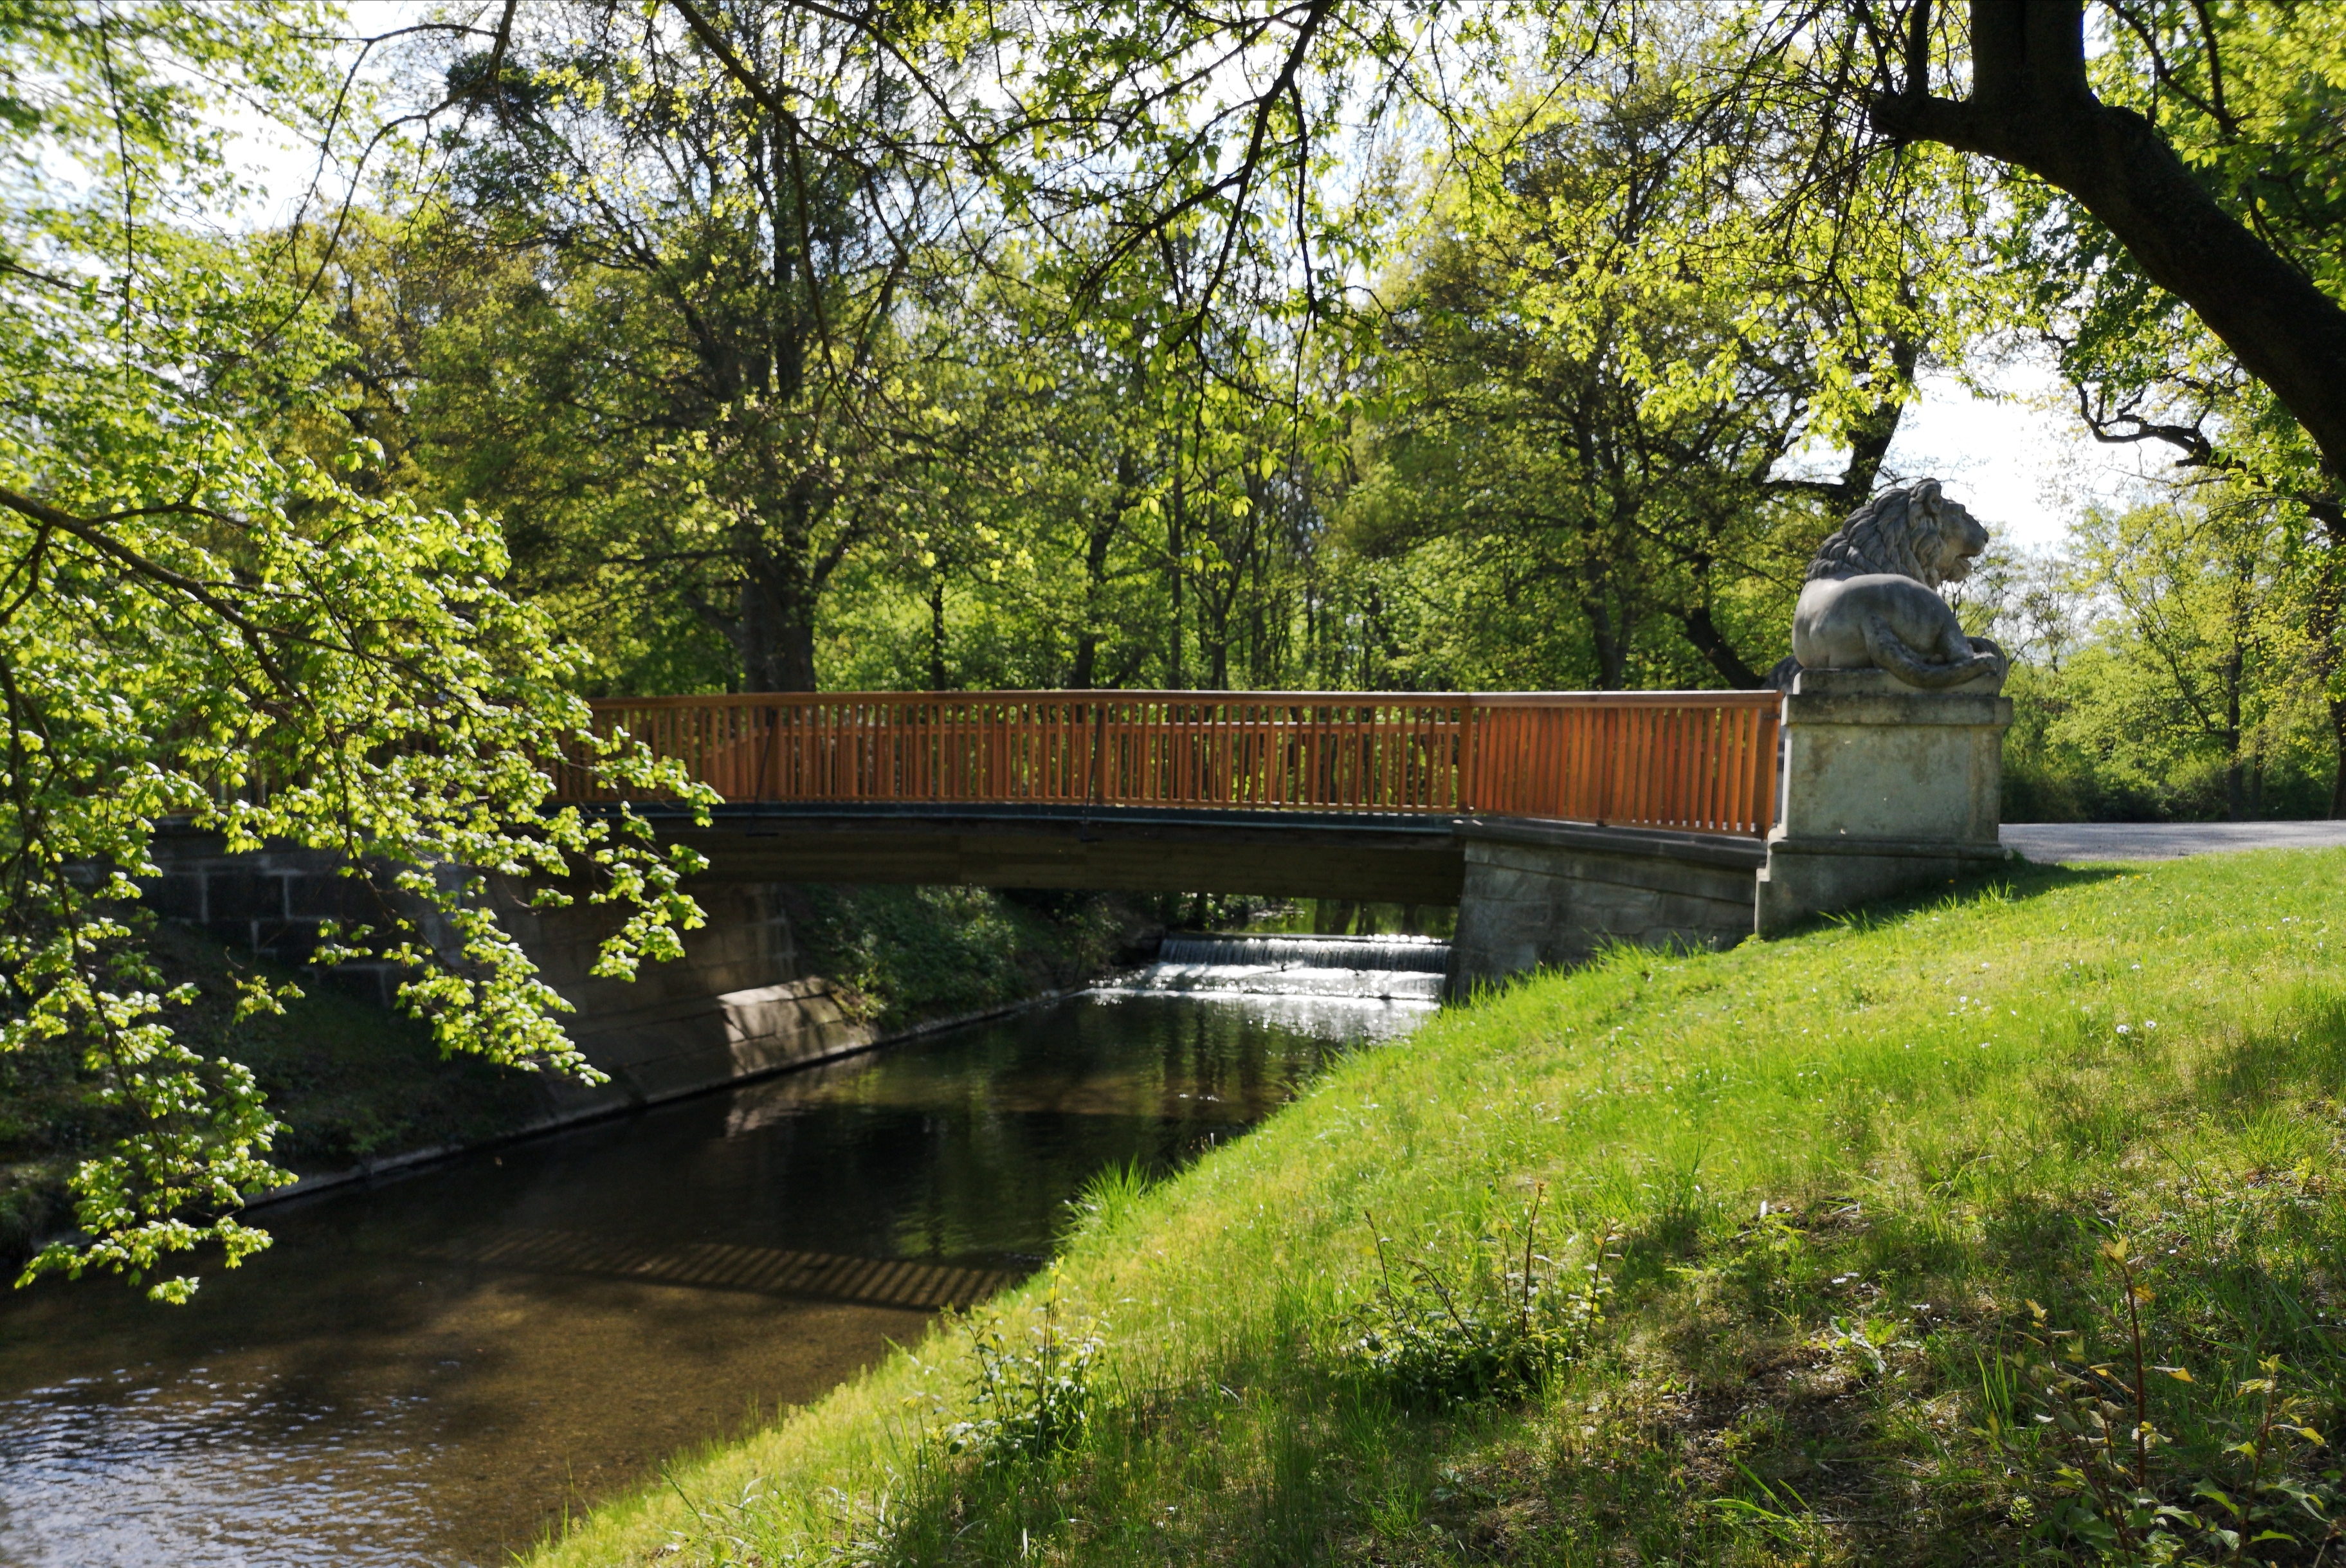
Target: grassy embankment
(1864, 1207)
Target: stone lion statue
(1871, 598)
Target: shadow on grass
(2016, 881)
(2304, 1050)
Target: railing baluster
(1690, 761)
(1722, 771)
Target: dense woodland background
(645, 346)
(763, 414)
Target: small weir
(1387, 968)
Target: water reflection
(432, 1371)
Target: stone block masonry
(737, 1003)
(1887, 789)
(271, 903)
(1548, 894)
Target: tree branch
(91, 531)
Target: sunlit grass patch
(1890, 1201)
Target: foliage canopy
(766, 343)
(200, 627)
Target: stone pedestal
(1887, 789)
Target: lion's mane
(1891, 533)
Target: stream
(434, 1370)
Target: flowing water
(433, 1371)
(1393, 968)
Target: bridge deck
(1388, 857)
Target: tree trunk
(1174, 679)
(1102, 532)
(1612, 643)
(2338, 746)
(1870, 435)
(2236, 794)
(2323, 629)
(1099, 537)
(775, 638)
(1712, 644)
(2031, 107)
(937, 681)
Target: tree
(2247, 96)
(1155, 114)
(194, 626)
(698, 388)
(2230, 247)
(2204, 655)
(1853, 81)
(1604, 431)
(2192, 692)
(1141, 506)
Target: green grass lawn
(1983, 1231)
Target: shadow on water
(431, 1370)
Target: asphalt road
(2062, 842)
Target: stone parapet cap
(1779, 842)
(1736, 849)
(1876, 696)
(1872, 682)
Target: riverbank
(353, 1083)
(1841, 1248)
(362, 1091)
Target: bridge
(1293, 794)
(1555, 821)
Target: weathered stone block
(1886, 789)
(286, 941)
(176, 895)
(324, 895)
(1868, 758)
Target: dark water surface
(434, 1370)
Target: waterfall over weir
(1393, 968)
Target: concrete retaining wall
(1543, 895)
(738, 1004)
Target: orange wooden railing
(1703, 761)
